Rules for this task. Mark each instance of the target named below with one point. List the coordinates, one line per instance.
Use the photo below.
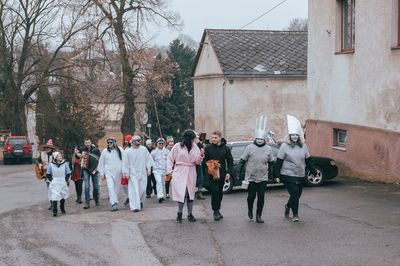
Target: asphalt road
(346, 222)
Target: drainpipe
(223, 109)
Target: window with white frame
(339, 138)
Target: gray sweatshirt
(257, 159)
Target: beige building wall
(232, 105)
(248, 98)
(357, 92)
(361, 88)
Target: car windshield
(16, 141)
(237, 151)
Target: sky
(198, 15)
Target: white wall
(361, 88)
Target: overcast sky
(198, 15)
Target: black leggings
(295, 190)
(256, 189)
(78, 188)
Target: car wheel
(228, 186)
(315, 180)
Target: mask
(260, 141)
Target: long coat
(183, 167)
(58, 188)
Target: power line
(257, 18)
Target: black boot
(250, 214)
(259, 220)
(179, 217)
(54, 205)
(62, 206)
(287, 211)
(217, 216)
(191, 218)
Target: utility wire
(257, 18)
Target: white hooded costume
(110, 167)
(136, 163)
(58, 188)
(160, 168)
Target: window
(339, 138)
(347, 28)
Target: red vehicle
(17, 148)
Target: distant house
(354, 86)
(241, 74)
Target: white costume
(160, 169)
(110, 166)
(137, 162)
(58, 188)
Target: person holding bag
(218, 154)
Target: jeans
(95, 182)
(295, 191)
(259, 190)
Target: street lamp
(44, 130)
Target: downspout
(223, 109)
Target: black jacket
(223, 154)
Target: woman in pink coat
(182, 161)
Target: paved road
(345, 222)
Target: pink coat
(183, 167)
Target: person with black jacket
(87, 174)
(293, 157)
(218, 150)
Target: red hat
(128, 138)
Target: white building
(241, 74)
(354, 85)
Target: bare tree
(33, 36)
(121, 24)
(298, 24)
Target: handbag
(124, 181)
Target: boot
(287, 211)
(179, 217)
(250, 214)
(54, 206)
(87, 205)
(62, 206)
(191, 218)
(259, 220)
(199, 196)
(217, 216)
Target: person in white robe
(58, 173)
(110, 169)
(159, 155)
(136, 166)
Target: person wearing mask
(110, 169)
(90, 151)
(159, 155)
(136, 167)
(293, 157)
(151, 181)
(58, 173)
(181, 164)
(259, 162)
(218, 151)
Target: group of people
(182, 167)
